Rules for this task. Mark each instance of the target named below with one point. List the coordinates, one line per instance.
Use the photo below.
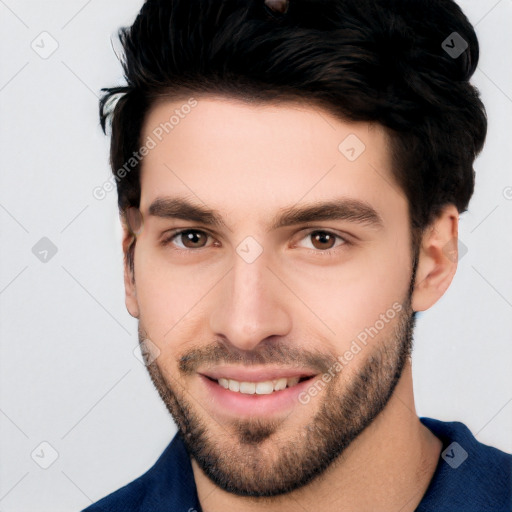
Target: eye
(324, 241)
(320, 241)
(188, 239)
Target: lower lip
(240, 404)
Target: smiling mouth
(266, 387)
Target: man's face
(255, 304)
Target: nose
(250, 305)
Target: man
(290, 177)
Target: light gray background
(69, 375)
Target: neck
(388, 467)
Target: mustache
(276, 353)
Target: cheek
(169, 296)
(341, 301)
(360, 296)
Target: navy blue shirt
(469, 477)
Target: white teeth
(248, 388)
(280, 384)
(234, 385)
(264, 388)
(293, 381)
(260, 388)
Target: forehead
(249, 157)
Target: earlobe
(437, 259)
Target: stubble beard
(255, 457)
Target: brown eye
(322, 242)
(190, 239)
(323, 239)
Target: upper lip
(245, 374)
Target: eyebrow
(347, 209)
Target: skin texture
(293, 306)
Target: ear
(131, 302)
(438, 256)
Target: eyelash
(317, 252)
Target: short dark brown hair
(382, 61)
